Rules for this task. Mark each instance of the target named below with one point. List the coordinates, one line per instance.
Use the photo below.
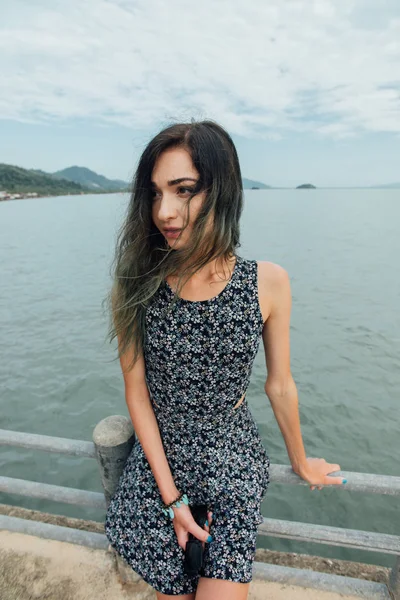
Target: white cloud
(259, 68)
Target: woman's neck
(212, 271)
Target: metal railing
(113, 439)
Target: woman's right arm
(145, 425)
(146, 428)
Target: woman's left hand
(316, 471)
(208, 524)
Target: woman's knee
(221, 589)
(180, 597)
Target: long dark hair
(142, 257)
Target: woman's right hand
(184, 524)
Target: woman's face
(173, 180)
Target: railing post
(113, 439)
(394, 580)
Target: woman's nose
(167, 208)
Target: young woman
(189, 313)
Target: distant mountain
(249, 183)
(72, 180)
(91, 180)
(306, 186)
(388, 186)
(97, 182)
(14, 179)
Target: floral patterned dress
(199, 359)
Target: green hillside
(17, 180)
(91, 180)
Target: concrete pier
(34, 568)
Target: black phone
(194, 549)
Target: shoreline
(22, 197)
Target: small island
(306, 186)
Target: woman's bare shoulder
(273, 286)
(271, 274)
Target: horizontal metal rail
(54, 532)
(47, 491)
(47, 443)
(326, 582)
(356, 482)
(333, 536)
(388, 485)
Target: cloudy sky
(308, 89)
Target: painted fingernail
(206, 523)
(344, 481)
(210, 538)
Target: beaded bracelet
(167, 510)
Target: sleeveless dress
(198, 363)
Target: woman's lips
(172, 233)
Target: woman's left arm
(280, 386)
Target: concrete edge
(322, 581)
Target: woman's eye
(185, 190)
(180, 190)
